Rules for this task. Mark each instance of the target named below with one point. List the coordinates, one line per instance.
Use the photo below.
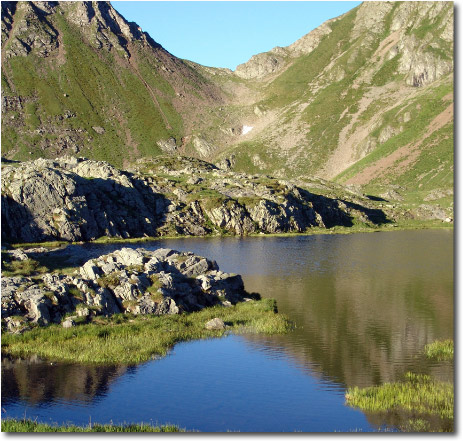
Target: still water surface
(364, 307)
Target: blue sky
(225, 34)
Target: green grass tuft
(25, 425)
(440, 350)
(28, 267)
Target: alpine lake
(364, 307)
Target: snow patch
(246, 129)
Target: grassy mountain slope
(371, 103)
(77, 78)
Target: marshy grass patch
(440, 350)
(45, 244)
(139, 338)
(417, 393)
(420, 395)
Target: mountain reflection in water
(39, 382)
(365, 305)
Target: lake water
(365, 305)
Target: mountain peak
(99, 23)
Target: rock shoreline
(76, 199)
(128, 280)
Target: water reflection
(37, 382)
(364, 305)
(365, 310)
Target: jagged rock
(203, 147)
(428, 212)
(438, 194)
(168, 145)
(89, 270)
(32, 35)
(387, 133)
(310, 41)
(392, 194)
(261, 65)
(231, 216)
(11, 104)
(38, 306)
(18, 254)
(158, 282)
(99, 130)
(128, 256)
(227, 163)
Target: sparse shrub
(129, 304)
(155, 295)
(136, 268)
(153, 290)
(182, 259)
(155, 282)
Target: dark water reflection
(40, 383)
(364, 305)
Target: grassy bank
(127, 339)
(403, 226)
(14, 425)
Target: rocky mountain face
(78, 79)
(79, 200)
(128, 280)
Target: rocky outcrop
(99, 21)
(75, 200)
(79, 200)
(267, 63)
(167, 145)
(128, 280)
(34, 34)
(203, 147)
(263, 64)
